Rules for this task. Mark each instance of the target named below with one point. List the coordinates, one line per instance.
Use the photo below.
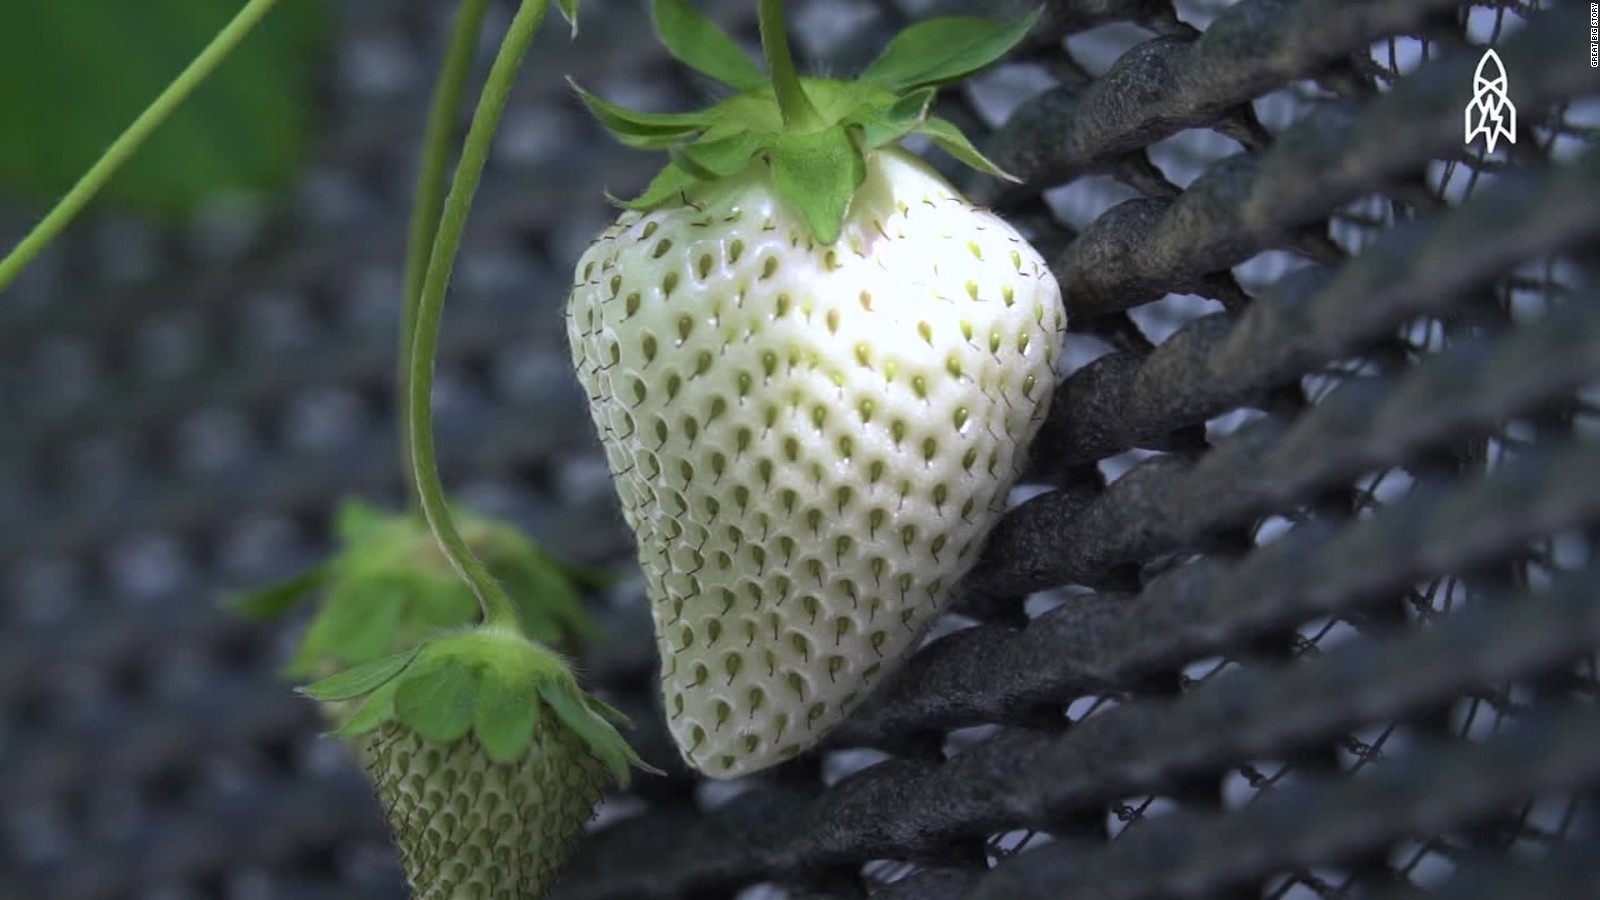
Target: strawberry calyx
(813, 134)
(390, 586)
(489, 683)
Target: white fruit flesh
(811, 443)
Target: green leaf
(352, 683)
(438, 704)
(939, 51)
(506, 717)
(270, 602)
(74, 74)
(952, 141)
(899, 120)
(669, 184)
(603, 740)
(377, 709)
(699, 44)
(818, 173)
(647, 131)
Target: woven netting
(1300, 598)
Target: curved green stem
(497, 607)
(130, 140)
(443, 111)
(798, 112)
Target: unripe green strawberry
(486, 757)
(813, 407)
(479, 828)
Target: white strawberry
(815, 369)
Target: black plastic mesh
(1301, 600)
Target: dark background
(1303, 603)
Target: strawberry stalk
(383, 591)
(129, 142)
(443, 110)
(470, 720)
(497, 607)
(799, 114)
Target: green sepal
(719, 157)
(940, 51)
(592, 578)
(608, 712)
(362, 679)
(437, 702)
(902, 117)
(669, 184)
(356, 520)
(506, 717)
(604, 742)
(950, 139)
(569, 11)
(699, 44)
(817, 174)
(547, 599)
(359, 621)
(817, 161)
(377, 709)
(646, 131)
(390, 586)
(488, 682)
(271, 602)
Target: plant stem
(497, 607)
(126, 144)
(798, 112)
(443, 111)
